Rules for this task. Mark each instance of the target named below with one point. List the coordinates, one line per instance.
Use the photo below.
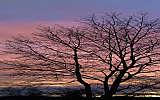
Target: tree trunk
(107, 94)
(88, 91)
(79, 77)
(113, 89)
(116, 83)
(106, 86)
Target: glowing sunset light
(110, 47)
(8, 30)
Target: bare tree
(128, 48)
(52, 53)
(119, 52)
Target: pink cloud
(8, 30)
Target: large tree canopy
(119, 52)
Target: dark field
(73, 98)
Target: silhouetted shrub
(33, 91)
(72, 94)
(9, 91)
(23, 91)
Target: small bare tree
(120, 52)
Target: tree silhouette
(53, 53)
(129, 49)
(119, 52)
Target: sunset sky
(23, 16)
